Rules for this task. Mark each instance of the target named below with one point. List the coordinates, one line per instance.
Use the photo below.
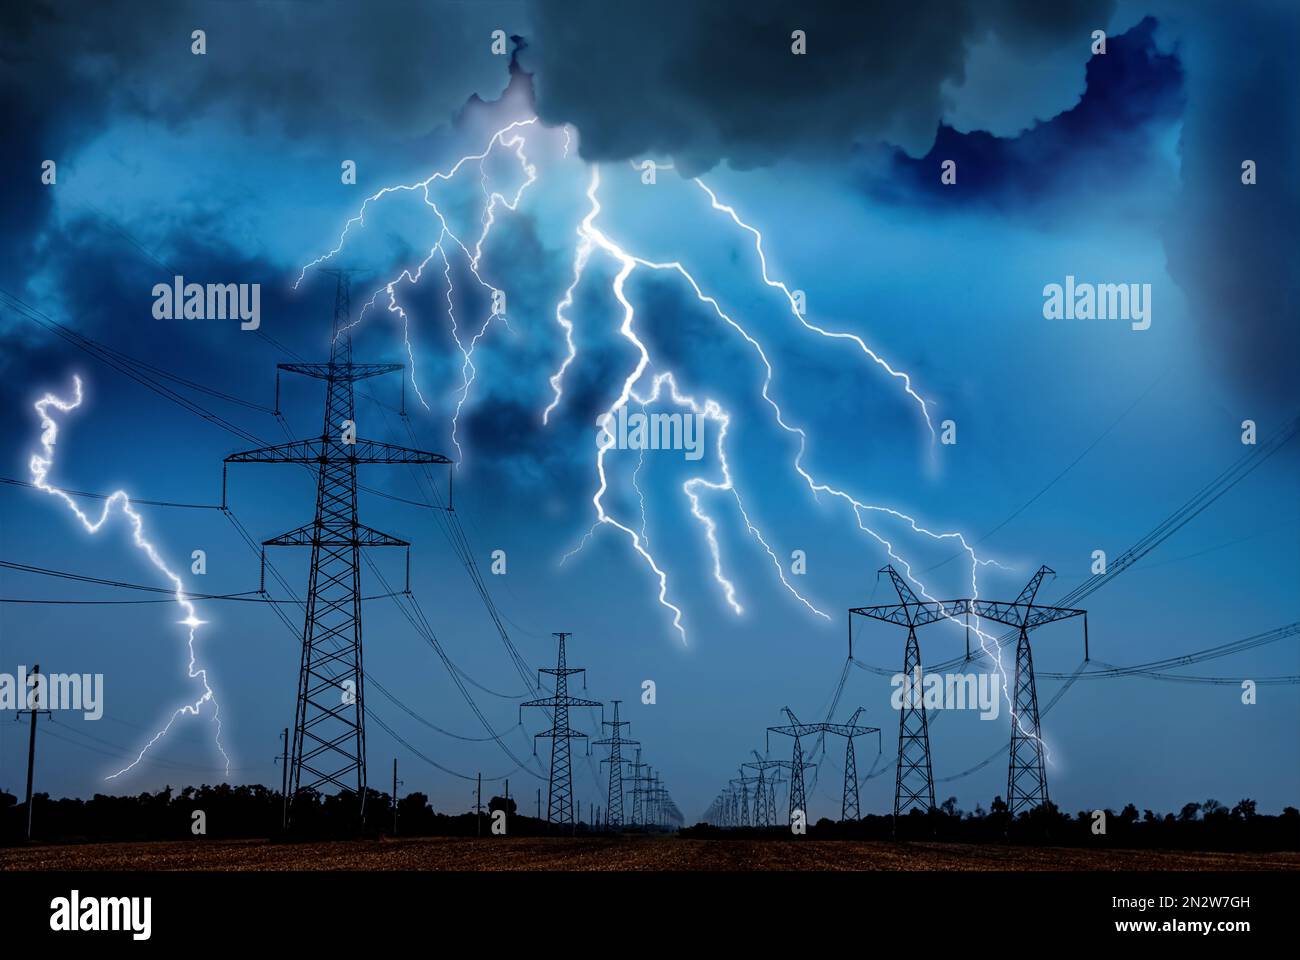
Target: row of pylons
(749, 800)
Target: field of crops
(611, 853)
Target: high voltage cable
(247, 596)
(1198, 502)
(104, 496)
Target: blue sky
(1119, 168)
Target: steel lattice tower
(849, 808)
(615, 742)
(1026, 780)
(797, 730)
(765, 799)
(764, 810)
(559, 797)
(329, 742)
(638, 814)
(914, 779)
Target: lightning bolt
(591, 239)
(993, 652)
(509, 138)
(40, 469)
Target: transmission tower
(764, 765)
(757, 815)
(849, 809)
(1026, 780)
(765, 790)
(638, 812)
(559, 798)
(615, 741)
(796, 730)
(740, 789)
(329, 744)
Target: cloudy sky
(1072, 435)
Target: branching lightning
(508, 138)
(40, 469)
(592, 239)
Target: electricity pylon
(1026, 780)
(740, 788)
(748, 817)
(849, 809)
(559, 797)
(765, 791)
(615, 741)
(763, 764)
(329, 742)
(797, 730)
(638, 812)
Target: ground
(607, 853)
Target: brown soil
(609, 853)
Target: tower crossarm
(350, 372)
(1012, 614)
(915, 614)
(611, 741)
(799, 729)
(849, 729)
(333, 450)
(1021, 614)
(358, 535)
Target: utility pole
(329, 739)
(478, 807)
(33, 700)
(284, 778)
(539, 803)
(559, 798)
(395, 783)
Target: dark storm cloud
(705, 82)
(1133, 93)
(318, 73)
(1231, 247)
(397, 69)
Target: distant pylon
(849, 807)
(559, 799)
(740, 789)
(329, 739)
(615, 741)
(797, 730)
(638, 812)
